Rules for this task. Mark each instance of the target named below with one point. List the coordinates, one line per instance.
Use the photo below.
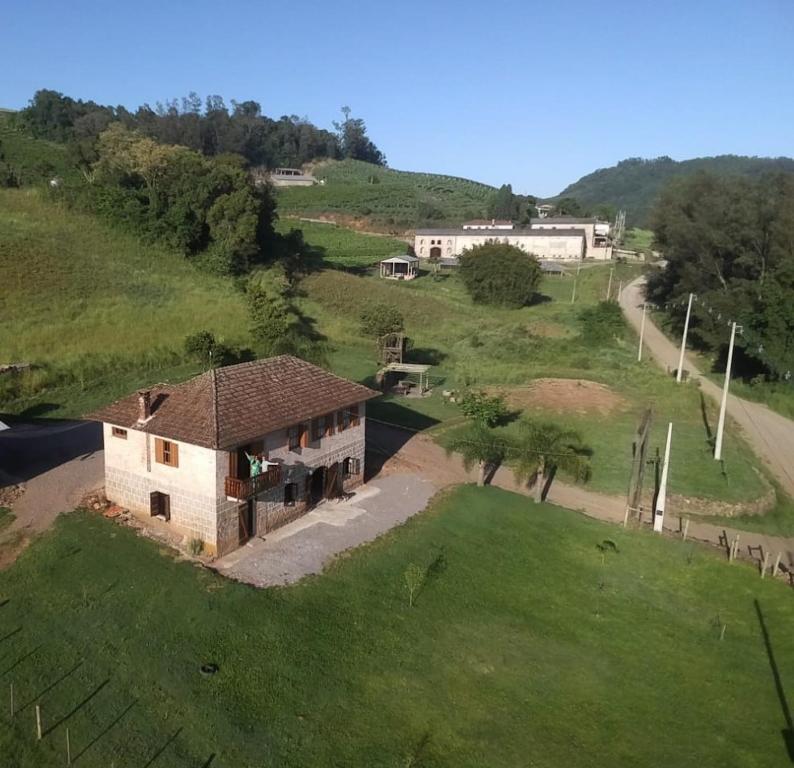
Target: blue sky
(535, 94)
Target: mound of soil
(565, 396)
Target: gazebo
(403, 267)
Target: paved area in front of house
(306, 545)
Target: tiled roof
(551, 220)
(237, 404)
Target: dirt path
(58, 464)
(769, 434)
(420, 454)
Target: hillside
(634, 184)
(354, 190)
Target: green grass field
(637, 239)
(487, 347)
(342, 247)
(523, 645)
(386, 197)
(33, 159)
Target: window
(330, 420)
(119, 432)
(343, 420)
(290, 494)
(318, 428)
(354, 422)
(296, 437)
(351, 466)
(166, 452)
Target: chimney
(144, 404)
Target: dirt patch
(564, 395)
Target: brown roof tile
(236, 404)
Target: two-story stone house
(179, 452)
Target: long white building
(564, 239)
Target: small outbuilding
(403, 267)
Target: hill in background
(355, 190)
(634, 184)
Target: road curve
(769, 434)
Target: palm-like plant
(481, 446)
(541, 447)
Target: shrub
(501, 274)
(601, 324)
(484, 409)
(379, 319)
(200, 345)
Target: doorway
(317, 486)
(160, 505)
(333, 485)
(246, 521)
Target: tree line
(730, 241)
(207, 126)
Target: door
(160, 505)
(246, 521)
(317, 485)
(332, 481)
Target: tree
(497, 273)
(569, 206)
(484, 409)
(542, 447)
(354, 142)
(378, 320)
(479, 445)
(730, 241)
(504, 204)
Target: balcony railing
(242, 489)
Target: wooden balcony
(251, 486)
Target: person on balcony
(255, 463)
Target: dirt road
(769, 434)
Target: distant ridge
(635, 183)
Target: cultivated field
(389, 198)
(526, 640)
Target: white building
(568, 244)
(596, 233)
(290, 177)
(181, 452)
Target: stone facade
(199, 506)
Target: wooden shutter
(304, 433)
(174, 455)
(354, 416)
(158, 451)
(154, 503)
(330, 423)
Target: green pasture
(537, 635)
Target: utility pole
(661, 498)
(642, 330)
(680, 370)
(609, 284)
(724, 401)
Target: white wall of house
(132, 474)
(563, 247)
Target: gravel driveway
(306, 545)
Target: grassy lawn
(342, 247)
(386, 197)
(520, 643)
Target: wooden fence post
(764, 564)
(38, 722)
(777, 564)
(686, 528)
